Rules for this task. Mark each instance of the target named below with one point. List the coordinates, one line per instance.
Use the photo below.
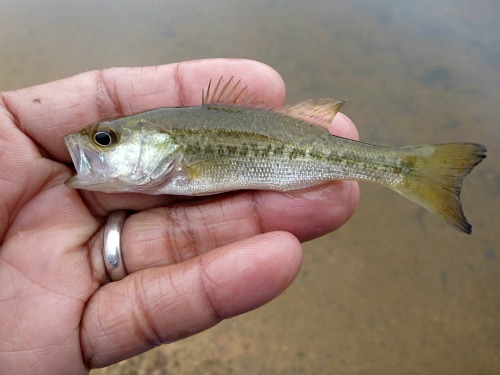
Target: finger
(165, 304)
(173, 234)
(342, 126)
(46, 113)
(103, 204)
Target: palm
(59, 313)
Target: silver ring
(112, 246)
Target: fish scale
(219, 147)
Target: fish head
(125, 154)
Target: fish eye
(105, 137)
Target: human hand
(190, 264)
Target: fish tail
(435, 176)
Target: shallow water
(394, 290)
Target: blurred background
(394, 291)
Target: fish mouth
(75, 152)
(86, 164)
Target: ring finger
(168, 235)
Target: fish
(227, 144)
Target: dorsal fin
(229, 94)
(317, 111)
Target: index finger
(48, 112)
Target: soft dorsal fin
(317, 111)
(229, 94)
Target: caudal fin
(435, 175)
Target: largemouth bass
(225, 145)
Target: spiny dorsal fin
(317, 111)
(229, 93)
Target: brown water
(394, 291)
